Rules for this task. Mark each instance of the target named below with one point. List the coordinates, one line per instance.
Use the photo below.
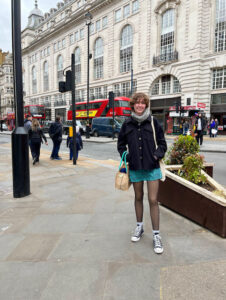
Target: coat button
(140, 148)
(138, 129)
(140, 138)
(141, 157)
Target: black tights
(153, 187)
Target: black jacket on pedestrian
(55, 132)
(203, 124)
(141, 146)
(36, 136)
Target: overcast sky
(5, 18)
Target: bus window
(122, 103)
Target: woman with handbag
(138, 138)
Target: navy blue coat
(137, 139)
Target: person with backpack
(55, 133)
(70, 144)
(36, 136)
(27, 123)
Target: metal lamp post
(20, 154)
(88, 17)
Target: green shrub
(181, 148)
(191, 169)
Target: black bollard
(20, 163)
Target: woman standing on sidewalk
(36, 135)
(143, 159)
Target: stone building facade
(173, 50)
(6, 85)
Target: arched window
(126, 49)
(166, 84)
(220, 29)
(34, 80)
(45, 76)
(98, 58)
(167, 35)
(60, 69)
(77, 65)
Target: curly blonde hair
(136, 97)
(35, 125)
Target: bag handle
(153, 129)
(123, 159)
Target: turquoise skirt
(145, 175)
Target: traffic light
(111, 96)
(65, 86)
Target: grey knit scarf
(141, 118)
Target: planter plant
(193, 192)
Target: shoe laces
(157, 241)
(137, 230)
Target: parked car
(104, 126)
(80, 126)
(46, 125)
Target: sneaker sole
(158, 251)
(135, 239)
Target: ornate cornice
(163, 5)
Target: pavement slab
(70, 239)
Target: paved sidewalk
(70, 240)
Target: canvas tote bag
(122, 176)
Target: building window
(76, 36)
(126, 89)
(71, 38)
(77, 65)
(60, 69)
(126, 11)
(167, 35)
(98, 25)
(104, 22)
(91, 28)
(63, 43)
(34, 81)
(155, 89)
(118, 15)
(220, 29)
(219, 79)
(135, 6)
(166, 84)
(45, 76)
(176, 85)
(98, 59)
(126, 49)
(82, 33)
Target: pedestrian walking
(70, 144)
(55, 133)
(185, 127)
(212, 128)
(136, 137)
(199, 128)
(216, 126)
(27, 123)
(36, 137)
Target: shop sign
(188, 107)
(220, 128)
(201, 105)
(175, 114)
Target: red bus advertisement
(100, 108)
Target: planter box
(194, 202)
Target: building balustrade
(60, 103)
(165, 58)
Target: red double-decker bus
(36, 111)
(100, 108)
